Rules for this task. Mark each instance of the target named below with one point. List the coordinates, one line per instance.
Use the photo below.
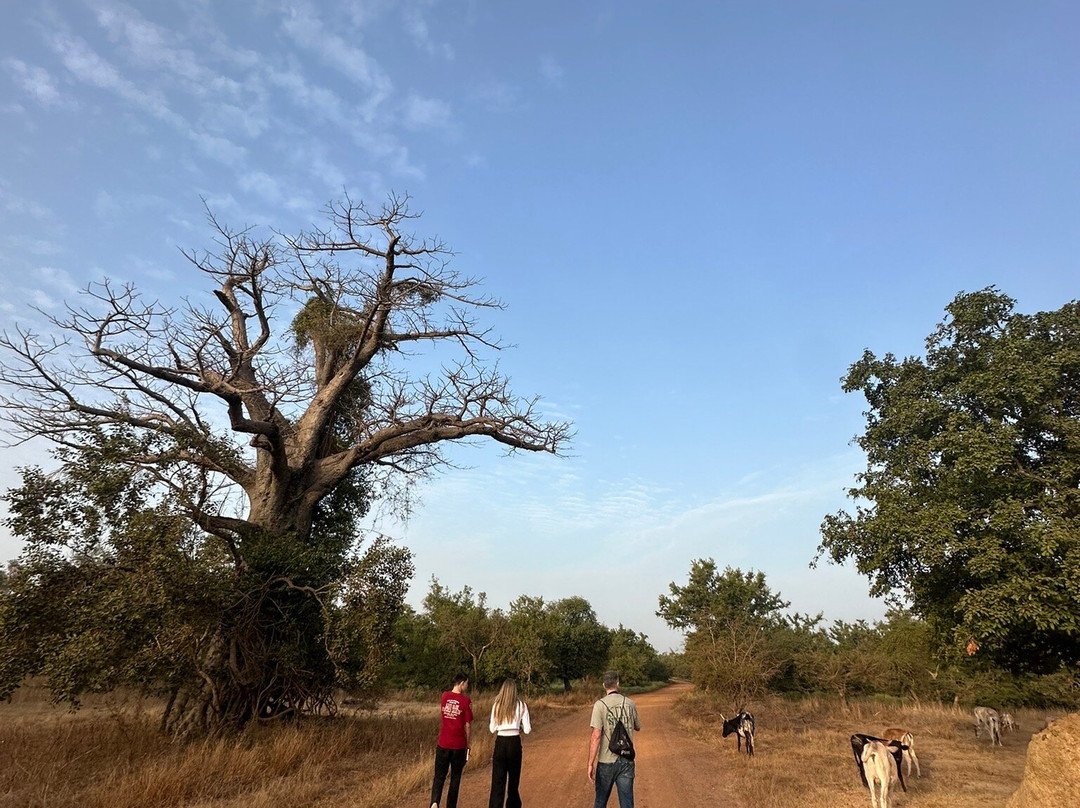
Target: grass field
(111, 755)
(803, 756)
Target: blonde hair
(506, 703)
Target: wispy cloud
(18, 206)
(59, 280)
(41, 299)
(150, 45)
(89, 67)
(270, 190)
(220, 94)
(303, 25)
(497, 95)
(364, 12)
(552, 71)
(32, 245)
(425, 113)
(417, 27)
(218, 148)
(105, 207)
(38, 83)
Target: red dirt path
(673, 769)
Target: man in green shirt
(606, 769)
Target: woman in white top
(509, 718)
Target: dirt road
(673, 770)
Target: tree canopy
(969, 507)
(711, 598)
(536, 642)
(729, 619)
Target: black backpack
(620, 743)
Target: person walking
(452, 749)
(606, 769)
(509, 718)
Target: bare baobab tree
(236, 403)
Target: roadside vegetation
(111, 754)
(810, 736)
(967, 518)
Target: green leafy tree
(249, 421)
(676, 665)
(969, 507)
(711, 598)
(849, 663)
(578, 642)
(910, 659)
(420, 658)
(522, 651)
(729, 619)
(111, 589)
(467, 626)
(633, 656)
(116, 587)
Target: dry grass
(804, 757)
(110, 755)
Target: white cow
(880, 769)
(989, 719)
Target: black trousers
(454, 760)
(506, 772)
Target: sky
(698, 216)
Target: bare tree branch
(283, 410)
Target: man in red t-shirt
(453, 747)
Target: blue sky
(698, 215)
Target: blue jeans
(619, 774)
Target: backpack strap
(622, 708)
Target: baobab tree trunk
(263, 661)
(257, 662)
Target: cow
(990, 719)
(1008, 723)
(879, 762)
(895, 748)
(907, 740)
(743, 727)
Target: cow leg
(857, 751)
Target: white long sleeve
(520, 724)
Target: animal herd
(881, 760)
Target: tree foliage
(116, 587)
(711, 599)
(633, 656)
(730, 619)
(578, 644)
(969, 507)
(268, 421)
(535, 641)
(467, 626)
(524, 652)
